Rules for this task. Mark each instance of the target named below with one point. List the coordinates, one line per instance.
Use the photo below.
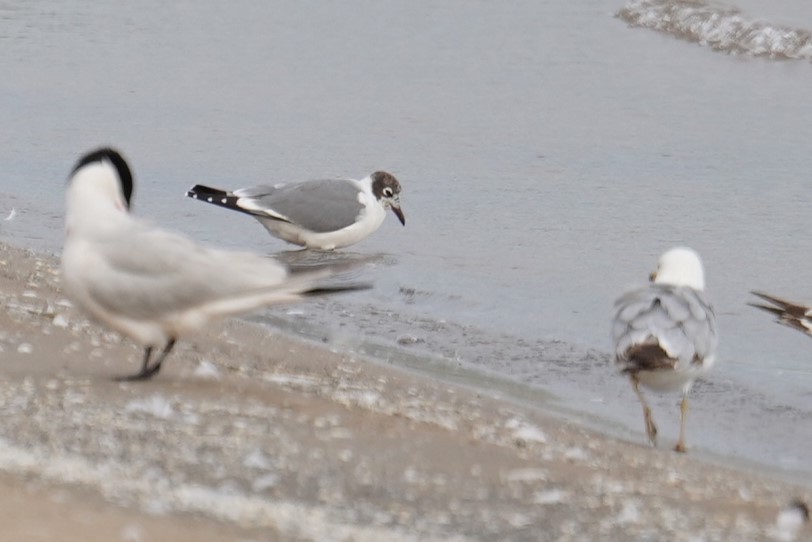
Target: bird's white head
(680, 266)
(100, 185)
(103, 174)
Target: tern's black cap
(108, 154)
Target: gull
(152, 285)
(790, 314)
(319, 214)
(665, 334)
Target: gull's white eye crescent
(387, 192)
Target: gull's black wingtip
(215, 196)
(200, 191)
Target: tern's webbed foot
(147, 370)
(144, 374)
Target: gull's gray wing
(319, 206)
(678, 319)
(156, 273)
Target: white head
(100, 186)
(680, 266)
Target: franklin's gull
(319, 214)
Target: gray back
(679, 318)
(319, 206)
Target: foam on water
(722, 28)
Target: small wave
(724, 29)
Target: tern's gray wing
(319, 206)
(679, 319)
(155, 273)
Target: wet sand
(250, 435)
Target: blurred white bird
(665, 335)
(152, 285)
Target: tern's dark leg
(651, 429)
(144, 366)
(147, 370)
(157, 365)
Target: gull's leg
(680, 447)
(651, 429)
(148, 371)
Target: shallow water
(548, 152)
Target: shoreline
(269, 437)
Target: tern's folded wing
(156, 273)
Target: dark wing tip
(200, 190)
(337, 289)
(795, 309)
(773, 310)
(216, 196)
(772, 299)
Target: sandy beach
(249, 435)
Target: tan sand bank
(250, 435)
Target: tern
(152, 285)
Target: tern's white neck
(680, 267)
(94, 198)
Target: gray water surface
(549, 152)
